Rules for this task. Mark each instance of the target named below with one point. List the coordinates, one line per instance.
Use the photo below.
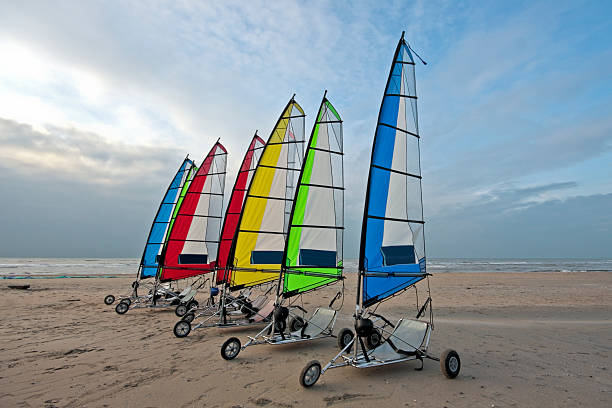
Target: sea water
(20, 267)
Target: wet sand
(525, 340)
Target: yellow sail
(260, 240)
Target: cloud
(109, 99)
(577, 227)
(69, 154)
(72, 193)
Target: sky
(101, 100)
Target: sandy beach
(525, 340)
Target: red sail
(234, 208)
(193, 243)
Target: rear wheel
(450, 363)
(296, 323)
(310, 374)
(109, 300)
(180, 310)
(344, 338)
(127, 301)
(192, 305)
(373, 340)
(189, 317)
(230, 349)
(182, 328)
(122, 308)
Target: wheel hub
(453, 364)
(311, 374)
(231, 349)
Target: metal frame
(291, 337)
(358, 360)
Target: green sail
(313, 254)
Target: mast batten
(397, 171)
(396, 219)
(401, 130)
(402, 96)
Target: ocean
(72, 267)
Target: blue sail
(392, 253)
(155, 241)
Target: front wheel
(450, 363)
(310, 374)
(109, 300)
(127, 301)
(122, 308)
(180, 310)
(192, 305)
(230, 349)
(182, 328)
(344, 338)
(189, 317)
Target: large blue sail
(155, 241)
(392, 253)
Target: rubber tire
(373, 340)
(450, 363)
(181, 310)
(127, 301)
(189, 317)
(182, 329)
(341, 338)
(109, 300)
(122, 308)
(296, 323)
(192, 305)
(224, 352)
(309, 382)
